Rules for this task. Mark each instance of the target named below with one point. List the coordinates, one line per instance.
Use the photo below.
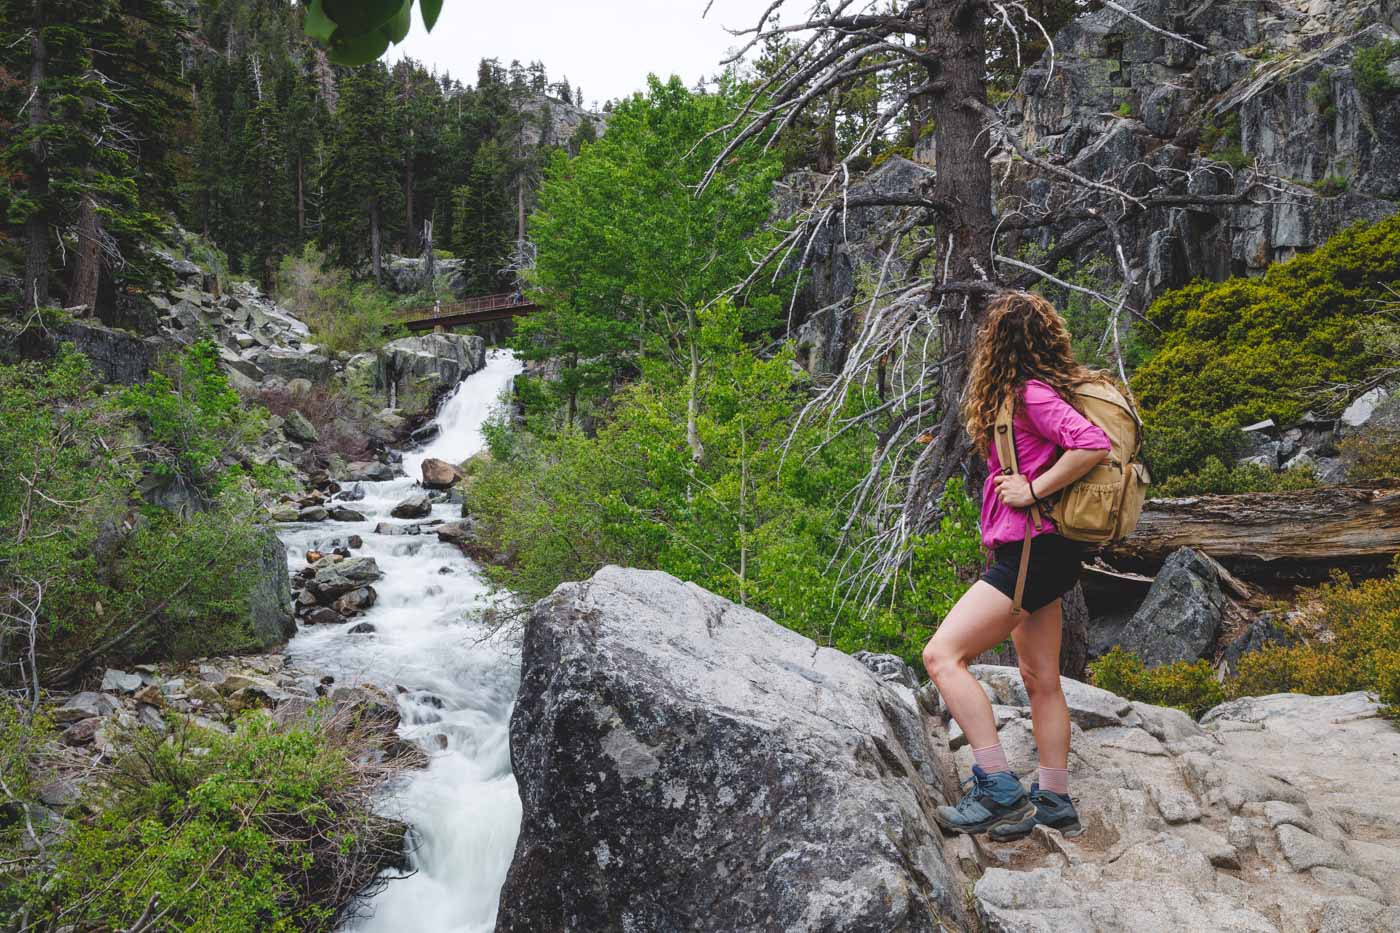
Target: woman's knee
(940, 659)
(1040, 679)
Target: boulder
(1181, 615)
(1089, 706)
(357, 600)
(297, 428)
(462, 534)
(333, 580)
(439, 474)
(85, 705)
(114, 681)
(117, 356)
(1265, 630)
(415, 368)
(270, 599)
(363, 628)
(685, 763)
(340, 513)
(418, 506)
(372, 471)
(323, 615)
(313, 513)
(287, 364)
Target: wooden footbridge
(479, 310)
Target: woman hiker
(1022, 351)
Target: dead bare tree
(953, 240)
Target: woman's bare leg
(1037, 643)
(979, 621)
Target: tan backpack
(1105, 503)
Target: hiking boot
(1051, 809)
(990, 800)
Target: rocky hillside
(685, 763)
(1273, 88)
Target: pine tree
(483, 215)
(91, 161)
(363, 195)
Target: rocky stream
(421, 636)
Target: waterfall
(458, 680)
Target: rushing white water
(459, 681)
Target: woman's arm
(1015, 490)
(1084, 443)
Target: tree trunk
(376, 266)
(957, 41)
(301, 193)
(1271, 536)
(408, 194)
(692, 408)
(36, 228)
(87, 268)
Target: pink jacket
(1044, 425)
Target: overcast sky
(607, 47)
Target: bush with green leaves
(1187, 686)
(193, 417)
(1215, 478)
(344, 316)
(268, 829)
(1370, 70)
(1226, 354)
(757, 520)
(93, 570)
(1351, 642)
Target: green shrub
(263, 830)
(744, 522)
(105, 575)
(1372, 454)
(1369, 70)
(343, 316)
(1190, 687)
(1235, 352)
(195, 418)
(1214, 478)
(1352, 643)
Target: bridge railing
(479, 304)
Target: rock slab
(685, 763)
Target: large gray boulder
(687, 764)
(117, 356)
(1180, 618)
(270, 599)
(293, 364)
(414, 369)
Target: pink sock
(1054, 779)
(991, 759)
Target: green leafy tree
(627, 251)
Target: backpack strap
(1005, 437)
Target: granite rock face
(1273, 86)
(685, 763)
(1272, 814)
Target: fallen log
(1285, 536)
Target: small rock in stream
(364, 628)
(419, 506)
(342, 514)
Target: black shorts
(1054, 569)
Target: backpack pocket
(1089, 509)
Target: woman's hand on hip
(1014, 490)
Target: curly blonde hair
(1022, 337)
